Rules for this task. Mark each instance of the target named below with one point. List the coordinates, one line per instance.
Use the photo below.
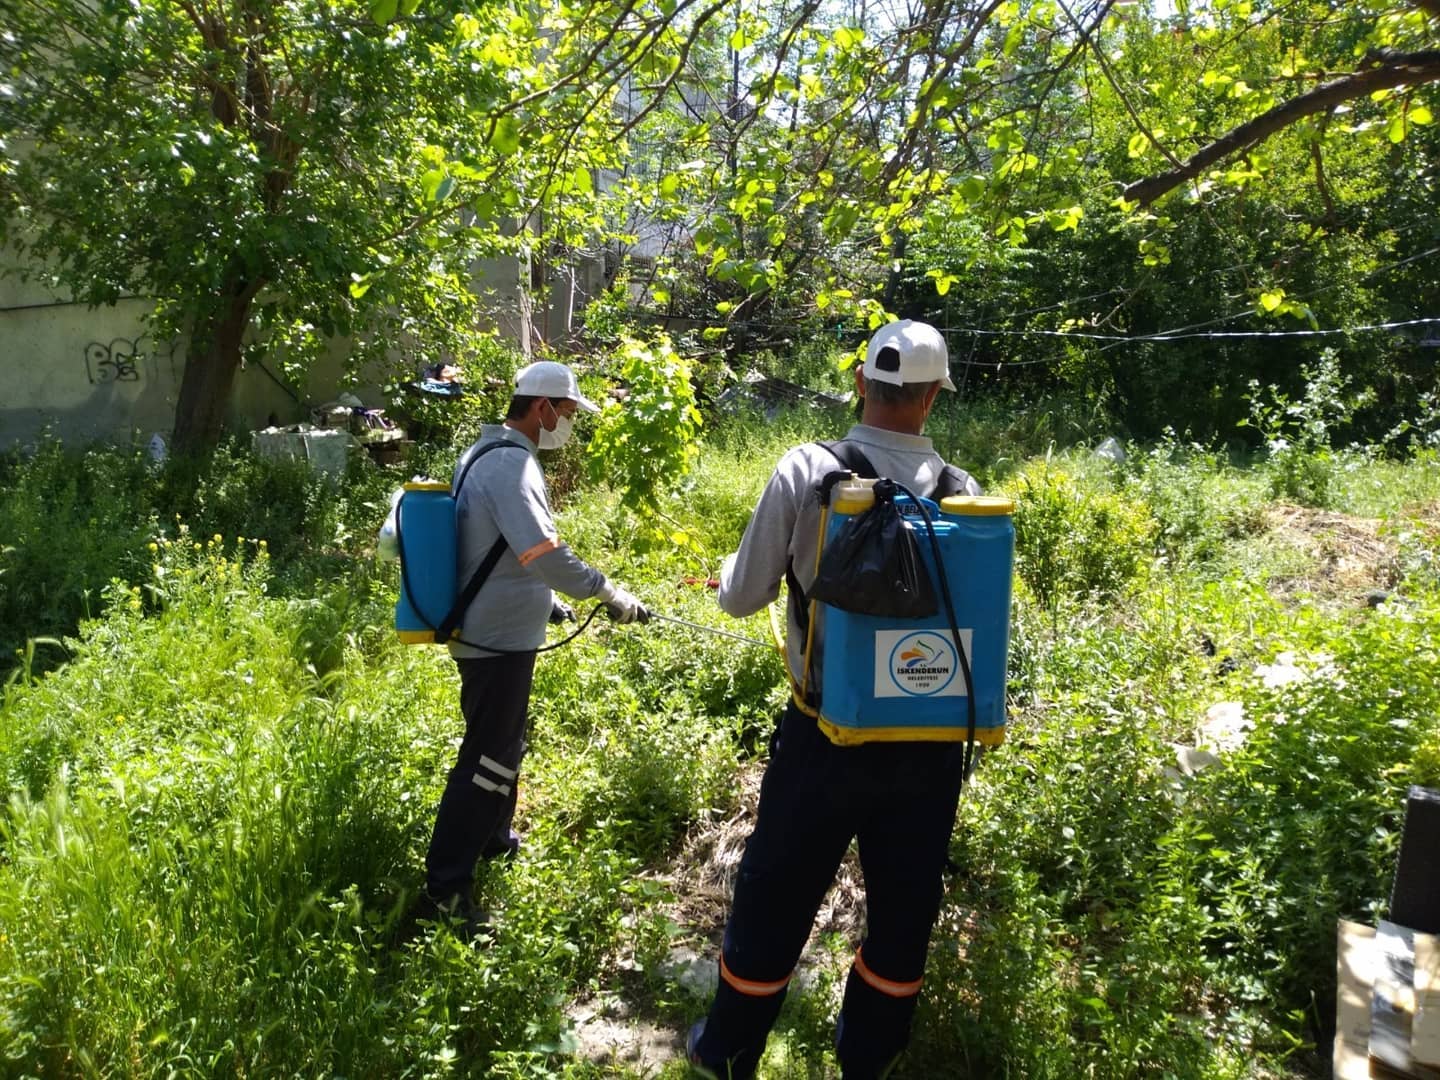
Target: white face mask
(553, 440)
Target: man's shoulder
(493, 447)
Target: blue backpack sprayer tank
(904, 679)
(431, 604)
(425, 519)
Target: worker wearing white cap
(503, 520)
(897, 799)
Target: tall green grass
(217, 807)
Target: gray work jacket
(785, 526)
(504, 494)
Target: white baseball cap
(908, 352)
(546, 378)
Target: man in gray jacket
(502, 502)
(897, 798)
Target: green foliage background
(218, 805)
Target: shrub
(70, 521)
(1073, 542)
(1302, 825)
(1199, 502)
(993, 437)
(1299, 436)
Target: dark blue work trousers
(479, 800)
(898, 800)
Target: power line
(1181, 336)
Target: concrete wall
(94, 374)
(82, 375)
(87, 374)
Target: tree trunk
(211, 364)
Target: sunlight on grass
(218, 804)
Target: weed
(219, 793)
(1071, 542)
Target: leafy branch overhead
(292, 178)
(1387, 71)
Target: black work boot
(467, 920)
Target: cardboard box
(1387, 1009)
(1425, 1034)
(1355, 971)
(1392, 1006)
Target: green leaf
(1419, 114)
(841, 219)
(505, 135)
(1068, 218)
(430, 182)
(1013, 38)
(972, 188)
(382, 11)
(1269, 301)
(1395, 132)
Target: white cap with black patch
(908, 352)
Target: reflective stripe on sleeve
(748, 986)
(542, 548)
(885, 986)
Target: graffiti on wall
(127, 360)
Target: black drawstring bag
(873, 565)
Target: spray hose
(969, 758)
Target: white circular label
(922, 664)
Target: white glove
(622, 606)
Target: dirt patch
(611, 1030)
(1348, 560)
(702, 876)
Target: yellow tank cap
(426, 485)
(977, 505)
(854, 496)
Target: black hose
(968, 759)
(544, 648)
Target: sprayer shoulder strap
(853, 458)
(953, 481)
(472, 587)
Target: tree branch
(1391, 70)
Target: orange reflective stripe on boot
(750, 987)
(884, 985)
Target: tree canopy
(278, 174)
